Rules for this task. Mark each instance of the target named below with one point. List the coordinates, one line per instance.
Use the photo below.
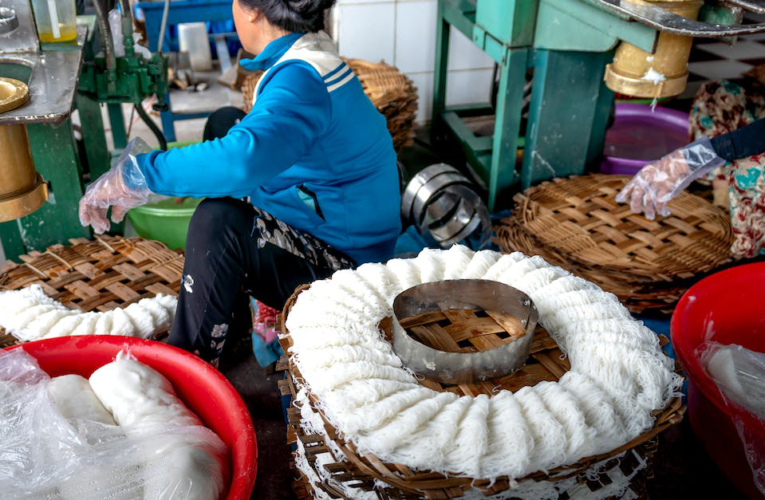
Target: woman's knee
(221, 121)
(217, 219)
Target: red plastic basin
(729, 308)
(200, 386)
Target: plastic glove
(123, 187)
(658, 182)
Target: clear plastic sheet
(45, 456)
(115, 23)
(740, 375)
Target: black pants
(234, 251)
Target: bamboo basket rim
(576, 223)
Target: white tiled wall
(403, 33)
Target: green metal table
(566, 45)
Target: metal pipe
(163, 26)
(106, 32)
(152, 126)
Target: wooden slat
(129, 271)
(542, 342)
(88, 270)
(551, 365)
(124, 292)
(436, 337)
(473, 327)
(422, 319)
(509, 323)
(82, 290)
(528, 375)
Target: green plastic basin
(166, 221)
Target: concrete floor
(259, 391)
(682, 468)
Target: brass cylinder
(22, 189)
(637, 73)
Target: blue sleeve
(291, 112)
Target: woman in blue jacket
(304, 185)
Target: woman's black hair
(292, 15)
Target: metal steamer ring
(464, 213)
(463, 367)
(439, 201)
(9, 21)
(418, 181)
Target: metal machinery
(183, 11)
(37, 137)
(570, 51)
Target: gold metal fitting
(22, 189)
(664, 73)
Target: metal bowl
(13, 94)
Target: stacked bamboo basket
(449, 330)
(576, 223)
(392, 93)
(97, 275)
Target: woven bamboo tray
(577, 224)
(392, 93)
(465, 331)
(97, 275)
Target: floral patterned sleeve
(722, 107)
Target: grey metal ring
(426, 192)
(449, 228)
(419, 180)
(463, 367)
(9, 21)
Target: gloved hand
(123, 187)
(658, 182)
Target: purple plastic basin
(639, 136)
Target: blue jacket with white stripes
(313, 152)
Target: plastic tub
(639, 136)
(165, 221)
(200, 386)
(730, 307)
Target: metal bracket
(756, 6)
(660, 19)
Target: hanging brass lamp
(22, 189)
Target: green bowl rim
(164, 212)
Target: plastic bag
(740, 375)
(115, 23)
(44, 455)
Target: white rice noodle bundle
(29, 314)
(618, 375)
